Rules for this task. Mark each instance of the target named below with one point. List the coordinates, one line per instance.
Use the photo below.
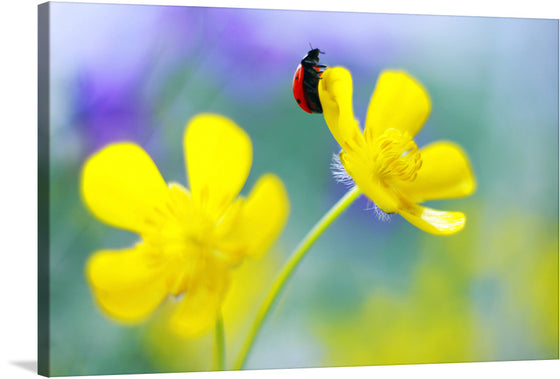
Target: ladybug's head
(316, 51)
(313, 55)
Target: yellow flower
(384, 161)
(190, 240)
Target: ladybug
(306, 82)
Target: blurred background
(370, 291)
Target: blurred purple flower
(109, 109)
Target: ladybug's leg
(316, 75)
(313, 73)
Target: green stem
(219, 344)
(289, 268)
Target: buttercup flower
(189, 240)
(384, 161)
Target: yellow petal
(218, 156)
(434, 221)
(229, 241)
(399, 102)
(383, 196)
(445, 173)
(264, 214)
(127, 284)
(251, 226)
(122, 186)
(197, 312)
(335, 94)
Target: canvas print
(238, 189)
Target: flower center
(182, 235)
(396, 156)
(178, 227)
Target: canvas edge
(43, 148)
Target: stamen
(396, 156)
